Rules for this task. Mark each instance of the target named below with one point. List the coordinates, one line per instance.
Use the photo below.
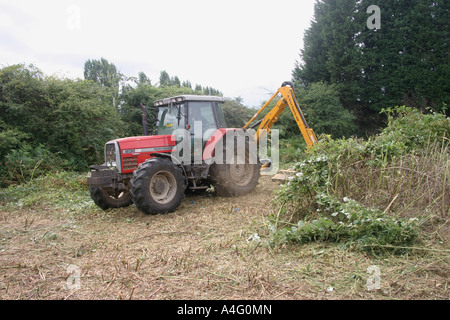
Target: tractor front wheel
(106, 199)
(157, 186)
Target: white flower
(254, 237)
(346, 199)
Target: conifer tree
(405, 61)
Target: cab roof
(187, 97)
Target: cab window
(221, 116)
(170, 118)
(201, 113)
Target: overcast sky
(243, 48)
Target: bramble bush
(383, 172)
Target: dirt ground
(210, 248)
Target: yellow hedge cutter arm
(288, 98)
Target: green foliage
(326, 217)
(24, 106)
(62, 189)
(102, 72)
(27, 162)
(324, 111)
(83, 119)
(49, 123)
(10, 139)
(236, 114)
(414, 128)
(291, 149)
(353, 224)
(335, 170)
(404, 62)
(165, 80)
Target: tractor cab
(198, 114)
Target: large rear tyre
(107, 200)
(236, 179)
(157, 186)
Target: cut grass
(207, 249)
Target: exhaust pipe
(144, 119)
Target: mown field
(56, 244)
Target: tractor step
(199, 188)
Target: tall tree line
(405, 61)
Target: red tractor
(192, 150)
(153, 173)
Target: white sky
(243, 48)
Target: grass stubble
(210, 248)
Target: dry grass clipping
(207, 249)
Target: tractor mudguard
(208, 152)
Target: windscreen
(170, 118)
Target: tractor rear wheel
(157, 186)
(107, 199)
(238, 178)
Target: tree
(46, 119)
(324, 112)
(404, 62)
(236, 114)
(164, 79)
(331, 54)
(407, 60)
(187, 84)
(102, 72)
(143, 79)
(82, 120)
(24, 108)
(105, 74)
(176, 81)
(312, 67)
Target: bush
(291, 150)
(395, 166)
(324, 111)
(65, 189)
(349, 222)
(26, 163)
(414, 129)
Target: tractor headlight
(112, 155)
